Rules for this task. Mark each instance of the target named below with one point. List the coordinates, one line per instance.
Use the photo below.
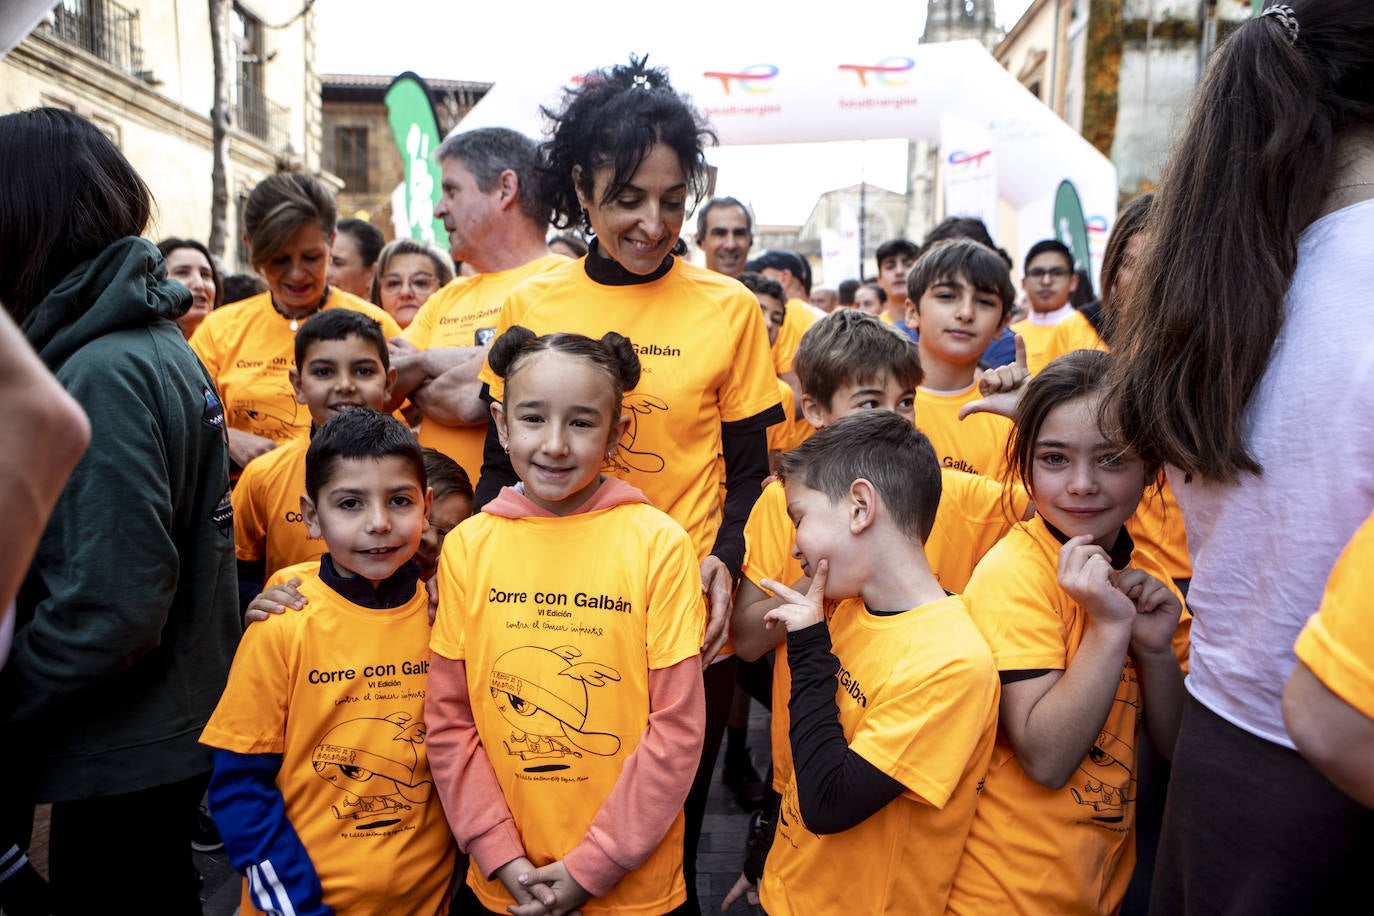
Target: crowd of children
(945, 536)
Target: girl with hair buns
(248, 346)
(1245, 365)
(626, 159)
(564, 702)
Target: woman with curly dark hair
(626, 160)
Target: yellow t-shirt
(464, 314)
(973, 515)
(1157, 528)
(1338, 641)
(559, 621)
(339, 691)
(267, 510)
(977, 445)
(705, 359)
(917, 695)
(787, 433)
(1033, 849)
(799, 316)
(1075, 332)
(249, 347)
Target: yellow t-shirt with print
(976, 445)
(559, 621)
(1338, 641)
(917, 695)
(705, 361)
(973, 515)
(267, 510)
(1034, 849)
(464, 314)
(339, 691)
(249, 347)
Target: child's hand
(1086, 574)
(531, 899)
(1157, 612)
(1001, 388)
(432, 590)
(799, 611)
(743, 888)
(568, 894)
(275, 600)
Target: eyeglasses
(424, 284)
(1054, 273)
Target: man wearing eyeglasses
(1048, 283)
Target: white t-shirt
(1262, 549)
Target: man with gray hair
(497, 215)
(725, 232)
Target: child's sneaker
(204, 833)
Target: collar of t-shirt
(1050, 319)
(391, 592)
(512, 502)
(609, 272)
(1119, 553)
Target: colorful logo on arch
(886, 72)
(960, 161)
(1097, 226)
(753, 79)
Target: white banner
(968, 168)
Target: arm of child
(647, 795)
(750, 634)
(1152, 633)
(472, 798)
(836, 788)
(258, 837)
(1052, 719)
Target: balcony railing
(255, 114)
(105, 29)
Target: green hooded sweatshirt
(128, 620)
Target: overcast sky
(493, 40)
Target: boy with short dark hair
(895, 259)
(849, 363)
(1049, 282)
(793, 430)
(893, 698)
(321, 788)
(341, 363)
(960, 299)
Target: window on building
(250, 105)
(350, 157)
(103, 28)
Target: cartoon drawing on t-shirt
(543, 694)
(1105, 781)
(374, 762)
(265, 419)
(626, 457)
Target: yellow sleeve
(768, 539)
(421, 327)
(751, 387)
(1014, 606)
(512, 312)
(250, 520)
(303, 571)
(924, 734)
(1338, 641)
(251, 715)
(446, 638)
(676, 609)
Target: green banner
(1069, 225)
(416, 130)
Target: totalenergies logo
(885, 72)
(960, 161)
(1096, 226)
(752, 79)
